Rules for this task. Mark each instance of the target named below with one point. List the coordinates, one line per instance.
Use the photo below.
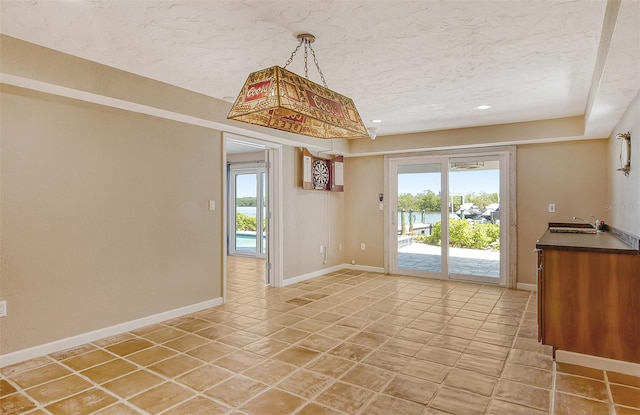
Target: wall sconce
(625, 152)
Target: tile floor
(346, 343)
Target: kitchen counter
(605, 242)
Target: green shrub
(246, 222)
(423, 239)
(465, 234)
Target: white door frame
(507, 187)
(275, 232)
(391, 221)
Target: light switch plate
(212, 205)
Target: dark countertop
(604, 242)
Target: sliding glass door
(445, 217)
(419, 247)
(474, 224)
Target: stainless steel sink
(569, 229)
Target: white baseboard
(69, 342)
(310, 275)
(527, 287)
(596, 362)
(366, 268)
(325, 271)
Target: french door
(248, 211)
(447, 217)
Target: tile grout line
(612, 406)
(363, 304)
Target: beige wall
(104, 217)
(364, 180)
(623, 199)
(570, 174)
(104, 212)
(311, 218)
(483, 136)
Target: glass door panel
(247, 212)
(474, 224)
(418, 245)
(446, 216)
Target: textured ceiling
(417, 65)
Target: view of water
(247, 210)
(429, 217)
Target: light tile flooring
(346, 343)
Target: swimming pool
(246, 241)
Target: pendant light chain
(293, 54)
(306, 55)
(315, 60)
(307, 45)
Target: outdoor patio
(461, 261)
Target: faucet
(595, 226)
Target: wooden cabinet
(589, 302)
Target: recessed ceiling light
(376, 120)
(483, 107)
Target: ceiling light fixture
(373, 132)
(483, 107)
(376, 121)
(280, 99)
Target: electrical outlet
(340, 247)
(321, 249)
(353, 262)
(363, 246)
(552, 207)
(3, 308)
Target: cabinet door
(540, 273)
(591, 303)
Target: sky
(246, 185)
(474, 181)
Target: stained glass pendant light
(280, 99)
